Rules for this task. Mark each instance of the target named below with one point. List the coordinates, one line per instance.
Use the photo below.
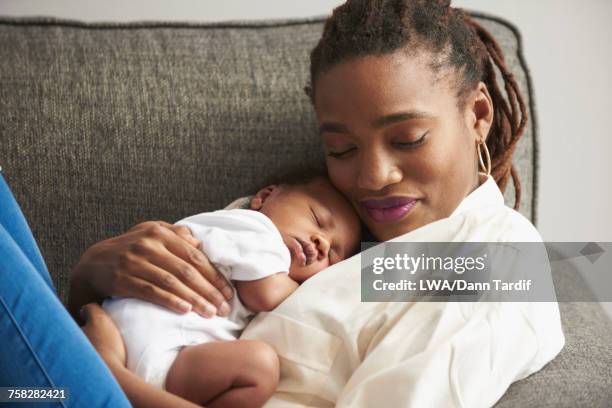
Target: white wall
(565, 47)
(180, 10)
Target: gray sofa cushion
(104, 126)
(580, 376)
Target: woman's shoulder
(504, 224)
(484, 216)
(520, 228)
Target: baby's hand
(103, 334)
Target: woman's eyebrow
(400, 117)
(334, 127)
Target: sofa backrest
(103, 126)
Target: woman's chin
(387, 231)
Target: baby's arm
(263, 295)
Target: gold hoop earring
(486, 169)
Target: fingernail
(228, 293)
(224, 309)
(185, 307)
(210, 310)
(205, 309)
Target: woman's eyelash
(400, 144)
(340, 154)
(414, 143)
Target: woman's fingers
(185, 233)
(196, 271)
(210, 283)
(179, 230)
(220, 290)
(144, 290)
(174, 272)
(164, 275)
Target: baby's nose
(322, 245)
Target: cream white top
(337, 351)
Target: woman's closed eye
(341, 153)
(410, 142)
(402, 142)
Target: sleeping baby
(290, 232)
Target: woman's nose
(322, 245)
(377, 170)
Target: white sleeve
(245, 242)
(464, 358)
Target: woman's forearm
(142, 394)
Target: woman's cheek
(341, 174)
(427, 165)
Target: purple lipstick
(389, 209)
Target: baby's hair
(377, 27)
(296, 176)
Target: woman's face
(396, 142)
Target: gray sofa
(103, 126)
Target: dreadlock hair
(377, 27)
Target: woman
(408, 106)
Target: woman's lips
(388, 209)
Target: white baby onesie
(243, 245)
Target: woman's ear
(480, 112)
(261, 196)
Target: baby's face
(317, 224)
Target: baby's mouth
(303, 252)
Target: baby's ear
(261, 196)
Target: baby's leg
(241, 373)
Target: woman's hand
(154, 261)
